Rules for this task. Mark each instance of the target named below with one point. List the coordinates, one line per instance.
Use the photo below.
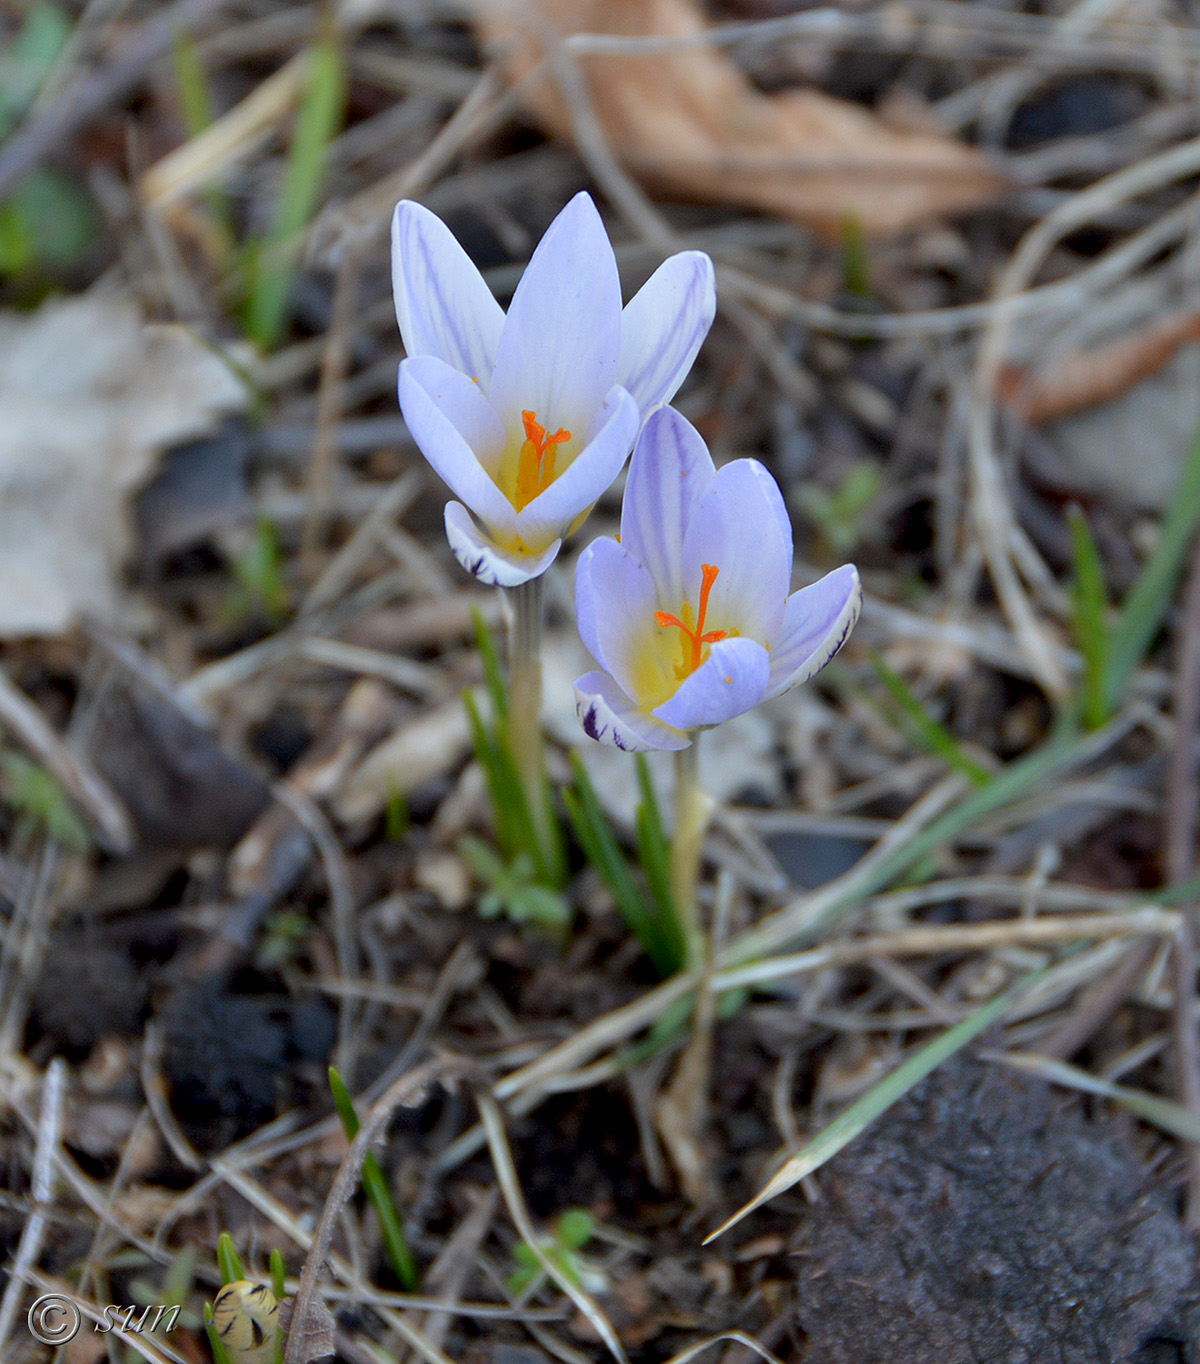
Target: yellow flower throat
(694, 637)
(535, 465)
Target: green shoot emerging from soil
(572, 1231)
(376, 1188)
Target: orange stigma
(535, 469)
(694, 633)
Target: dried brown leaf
(320, 1330)
(91, 396)
(1086, 378)
(689, 122)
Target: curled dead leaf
(688, 122)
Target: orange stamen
(535, 468)
(695, 634)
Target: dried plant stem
(525, 701)
(693, 810)
(32, 1235)
(1180, 860)
(408, 1090)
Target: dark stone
(810, 860)
(88, 991)
(985, 1219)
(1080, 106)
(181, 787)
(229, 1058)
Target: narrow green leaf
(1089, 619)
(575, 1229)
(505, 795)
(600, 846)
(317, 122)
(376, 1188)
(856, 273)
(1161, 1113)
(219, 1353)
(485, 642)
(396, 820)
(195, 97)
(278, 1274)
(177, 1283)
(344, 1104)
(228, 1261)
(654, 851)
(1146, 605)
(1002, 789)
(880, 1097)
(29, 59)
(930, 733)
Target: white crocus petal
(816, 621)
(588, 475)
(741, 526)
(483, 558)
(463, 405)
(670, 472)
(614, 607)
(610, 717)
(732, 679)
(663, 326)
(443, 306)
(440, 404)
(557, 354)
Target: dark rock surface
(985, 1219)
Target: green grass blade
(504, 795)
(660, 935)
(1161, 1113)
(1089, 619)
(29, 58)
(602, 850)
(228, 1260)
(317, 121)
(375, 1186)
(880, 1097)
(1002, 788)
(930, 733)
(1144, 608)
(278, 1274)
(344, 1104)
(485, 642)
(654, 851)
(219, 1353)
(195, 97)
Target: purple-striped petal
(815, 625)
(742, 527)
(610, 717)
(670, 472)
(557, 355)
(589, 475)
(442, 304)
(440, 405)
(614, 608)
(732, 679)
(663, 326)
(483, 558)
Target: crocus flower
(529, 417)
(688, 614)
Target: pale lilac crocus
(529, 417)
(688, 614)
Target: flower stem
(525, 702)
(693, 809)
